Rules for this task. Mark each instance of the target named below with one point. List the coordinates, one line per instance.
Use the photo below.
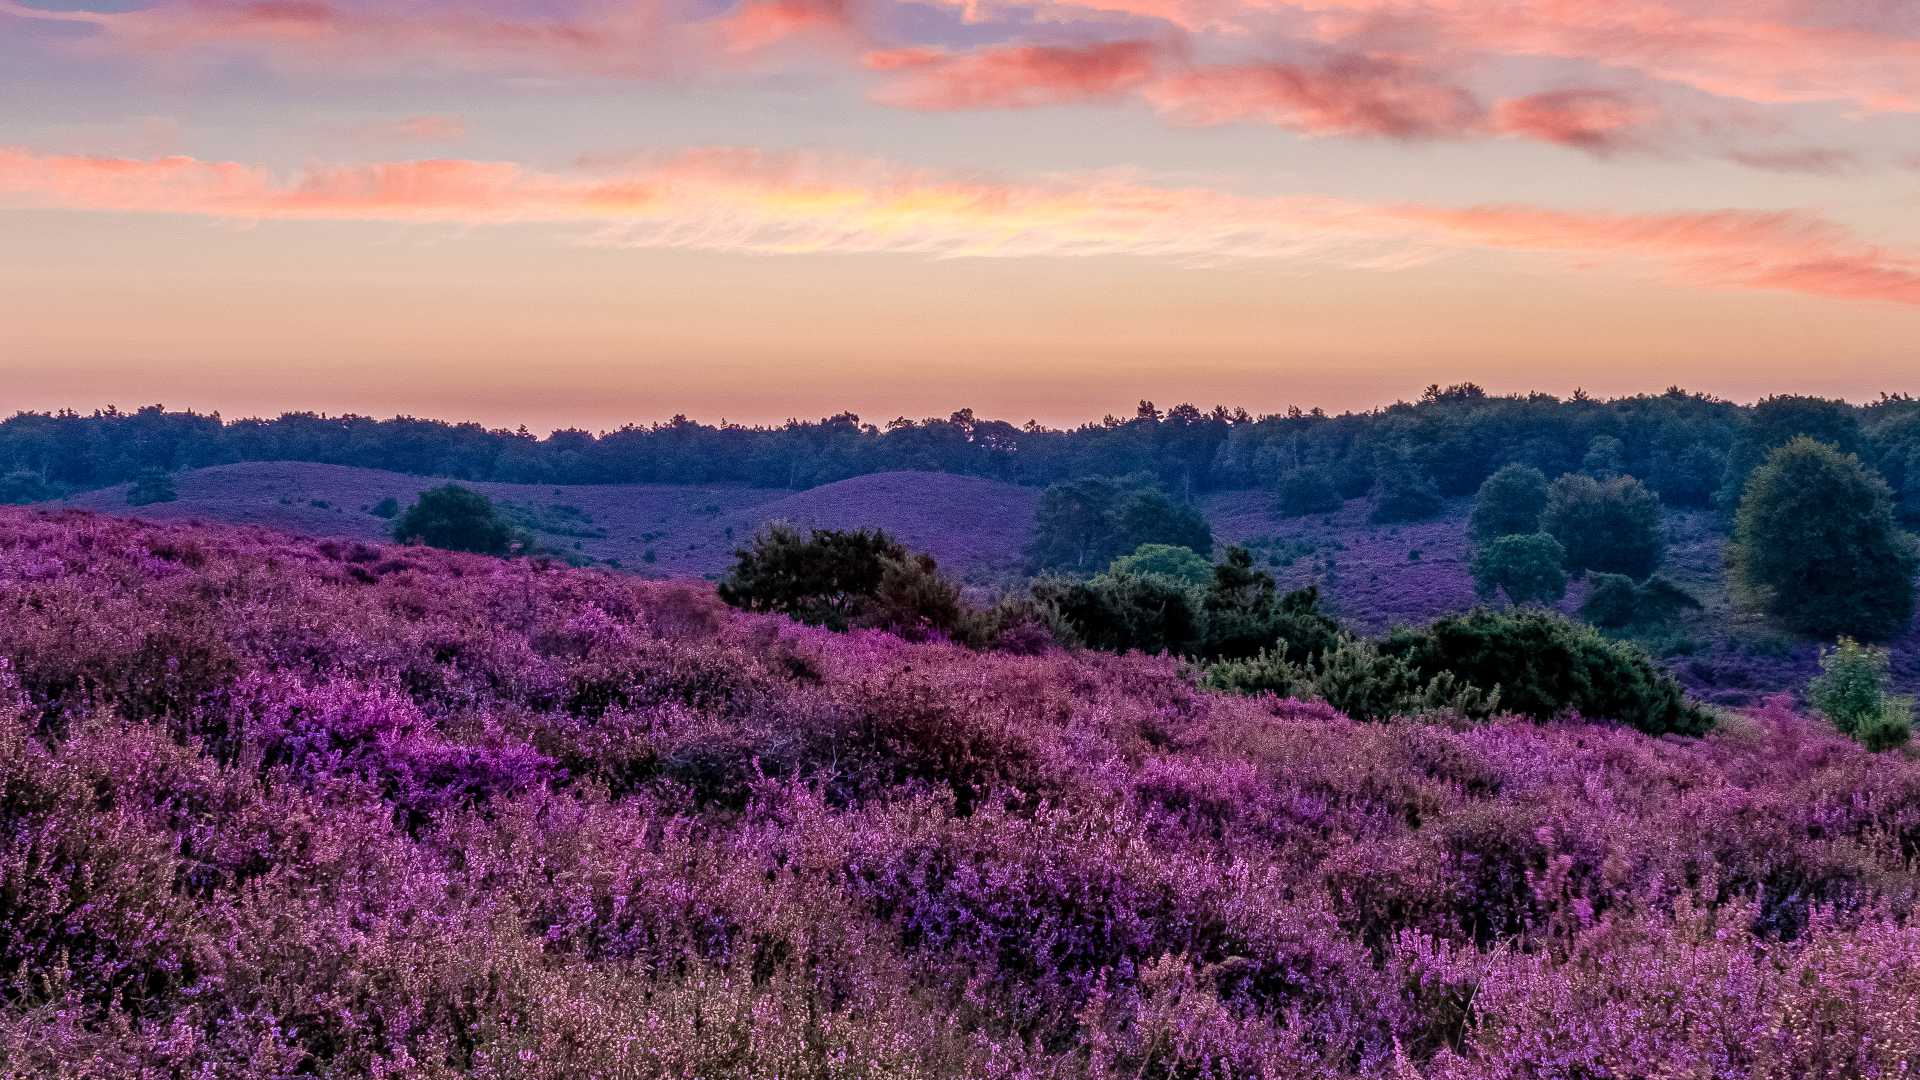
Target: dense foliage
(455, 518)
(1607, 526)
(1508, 504)
(1528, 568)
(1682, 445)
(272, 808)
(1083, 525)
(1548, 666)
(1852, 693)
(1178, 564)
(840, 579)
(151, 486)
(1817, 545)
(1309, 489)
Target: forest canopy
(1688, 448)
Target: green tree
(1778, 420)
(1245, 614)
(1309, 489)
(1182, 565)
(1119, 612)
(1606, 458)
(23, 486)
(152, 486)
(1608, 526)
(1083, 525)
(1851, 692)
(1510, 502)
(1402, 491)
(1527, 567)
(455, 518)
(1816, 544)
(1149, 517)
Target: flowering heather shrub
(271, 808)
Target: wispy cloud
(745, 200)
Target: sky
(590, 212)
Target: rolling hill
(1373, 577)
(974, 527)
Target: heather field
(1373, 576)
(975, 527)
(282, 807)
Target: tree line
(1690, 449)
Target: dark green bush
(1245, 615)
(1119, 612)
(841, 579)
(22, 486)
(1402, 491)
(1612, 601)
(153, 486)
(1083, 525)
(457, 519)
(1547, 666)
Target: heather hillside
(274, 807)
(1373, 576)
(974, 526)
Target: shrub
(829, 577)
(1610, 526)
(1527, 567)
(1356, 678)
(1612, 601)
(1615, 602)
(1547, 666)
(152, 486)
(1309, 489)
(1816, 544)
(1510, 502)
(1122, 612)
(1177, 564)
(1851, 692)
(1245, 615)
(457, 519)
(388, 508)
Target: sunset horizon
(495, 206)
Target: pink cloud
(1346, 96)
(1752, 50)
(1013, 77)
(746, 200)
(1595, 120)
(761, 23)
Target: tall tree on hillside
(1817, 545)
(1082, 525)
(1778, 420)
(1509, 503)
(1610, 526)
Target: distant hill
(1373, 577)
(975, 527)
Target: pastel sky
(594, 211)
